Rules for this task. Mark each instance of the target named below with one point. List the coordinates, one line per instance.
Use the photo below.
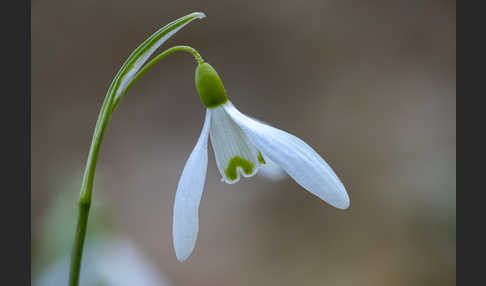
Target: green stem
(78, 243)
(111, 101)
(162, 55)
(87, 188)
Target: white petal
(293, 155)
(230, 144)
(188, 196)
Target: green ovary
(209, 86)
(235, 162)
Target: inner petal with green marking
(235, 154)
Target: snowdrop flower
(241, 145)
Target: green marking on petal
(260, 158)
(234, 163)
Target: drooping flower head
(240, 146)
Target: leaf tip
(199, 15)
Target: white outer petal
(185, 223)
(293, 155)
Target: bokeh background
(371, 85)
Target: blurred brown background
(371, 85)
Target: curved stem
(87, 188)
(109, 105)
(149, 65)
